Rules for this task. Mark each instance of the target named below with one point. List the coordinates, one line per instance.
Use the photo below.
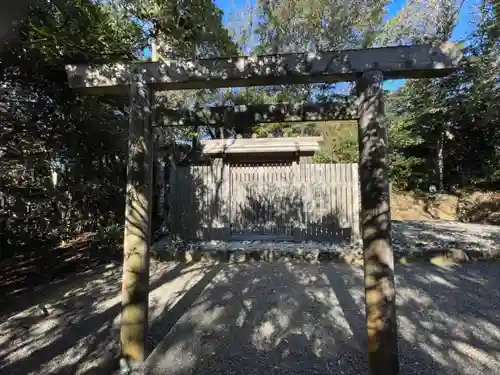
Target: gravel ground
(309, 319)
(411, 240)
(279, 318)
(75, 331)
(432, 235)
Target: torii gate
(367, 67)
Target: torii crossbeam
(368, 67)
(254, 114)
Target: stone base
(244, 251)
(128, 367)
(309, 252)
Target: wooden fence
(277, 201)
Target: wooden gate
(262, 201)
(302, 202)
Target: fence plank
(356, 200)
(306, 201)
(349, 197)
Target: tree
(420, 21)
(445, 131)
(45, 135)
(340, 142)
(49, 133)
(318, 25)
(13, 14)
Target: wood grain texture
(300, 68)
(298, 201)
(258, 113)
(137, 237)
(261, 146)
(380, 291)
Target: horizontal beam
(261, 145)
(259, 113)
(300, 68)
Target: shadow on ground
(308, 319)
(277, 318)
(75, 330)
(46, 265)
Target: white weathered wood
(272, 199)
(259, 145)
(199, 199)
(355, 201)
(262, 199)
(335, 66)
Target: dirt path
(435, 235)
(257, 318)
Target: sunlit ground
(254, 318)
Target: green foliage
(188, 28)
(453, 120)
(48, 130)
(63, 155)
(292, 26)
(403, 171)
(284, 129)
(340, 142)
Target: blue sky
(462, 30)
(463, 27)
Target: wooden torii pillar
(367, 67)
